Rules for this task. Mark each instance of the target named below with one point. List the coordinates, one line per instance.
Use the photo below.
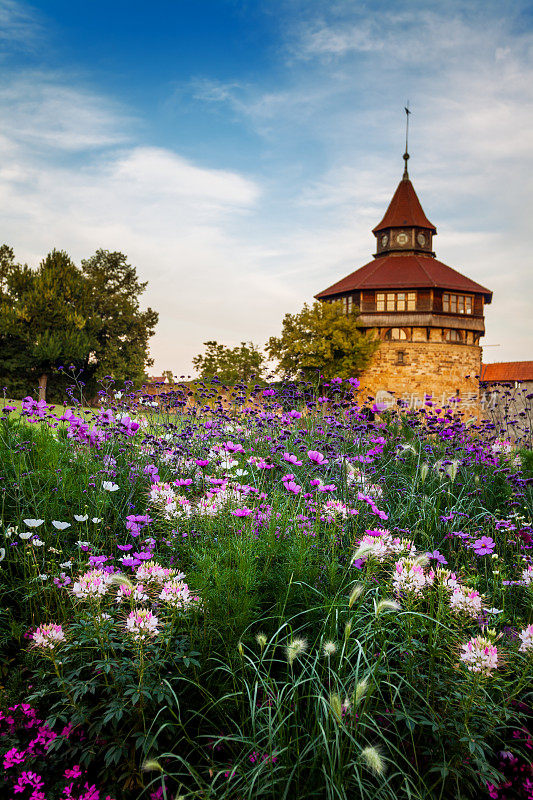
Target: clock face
(421, 239)
(384, 240)
(402, 238)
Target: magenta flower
(13, 757)
(292, 459)
(241, 512)
(317, 457)
(292, 486)
(483, 546)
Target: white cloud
(43, 112)
(19, 26)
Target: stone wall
(442, 369)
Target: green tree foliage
(59, 315)
(230, 365)
(121, 347)
(47, 313)
(321, 339)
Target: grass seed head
(261, 640)
(330, 648)
(336, 706)
(360, 691)
(373, 759)
(152, 766)
(295, 649)
(386, 605)
(355, 594)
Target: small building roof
(507, 371)
(404, 210)
(405, 271)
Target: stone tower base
(408, 370)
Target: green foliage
(121, 347)
(230, 364)
(61, 316)
(321, 339)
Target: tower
(428, 316)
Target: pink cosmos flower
(292, 459)
(292, 486)
(317, 457)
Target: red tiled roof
(405, 271)
(404, 209)
(507, 371)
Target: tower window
(395, 301)
(453, 336)
(401, 357)
(395, 334)
(457, 303)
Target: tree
(322, 339)
(47, 315)
(121, 347)
(230, 365)
(59, 315)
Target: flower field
(277, 595)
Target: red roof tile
(404, 209)
(409, 271)
(507, 371)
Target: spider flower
(93, 584)
(526, 637)
(466, 601)
(479, 655)
(409, 577)
(177, 594)
(142, 624)
(48, 636)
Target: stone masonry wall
(437, 368)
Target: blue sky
(241, 152)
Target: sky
(240, 152)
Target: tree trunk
(42, 386)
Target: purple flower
(484, 546)
(436, 556)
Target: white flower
(37, 542)
(66, 565)
(60, 526)
(83, 544)
(82, 518)
(96, 520)
(33, 523)
(25, 535)
(43, 577)
(2, 553)
(109, 486)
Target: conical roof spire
(404, 210)
(406, 154)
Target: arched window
(451, 335)
(395, 335)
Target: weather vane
(406, 154)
